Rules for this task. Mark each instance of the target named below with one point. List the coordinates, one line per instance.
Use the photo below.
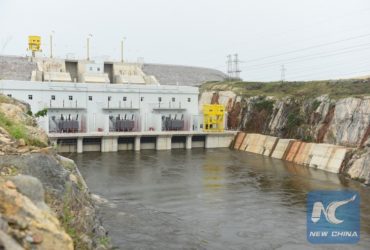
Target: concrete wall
(183, 75)
(140, 100)
(16, 68)
(326, 157)
(20, 68)
(281, 148)
(239, 140)
(258, 144)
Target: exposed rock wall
(343, 122)
(24, 225)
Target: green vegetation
(293, 120)
(264, 104)
(335, 89)
(315, 104)
(41, 113)
(18, 131)
(105, 241)
(67, 218)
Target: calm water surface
(209, 199)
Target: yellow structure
(34, 44)
(213, 117)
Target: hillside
(333, 112)
(333, 88)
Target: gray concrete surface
(183, 75)
(16, 68)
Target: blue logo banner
(333, 217)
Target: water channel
(209, 199)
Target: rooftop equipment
(34, 44)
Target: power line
(313, 24)
(341, 75)
(365, 66)
(309, 48)
(332, 68)
(309, 57)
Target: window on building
(189, 99)
(30, 97)
(53, 97)
(124, 98)
(142, 98)
(90, 98)
(109, 98)
(98, 69)
(173, 99)
(70, 98)
(159, 99)
(10, 95)
(90, 68)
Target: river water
(209, 199)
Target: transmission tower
(236, 66)
(233, 70)
(229, 63)
(283, 70)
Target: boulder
(29, 226)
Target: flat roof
(95, 87)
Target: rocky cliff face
(44, 201)
(322, 119)
(23, 224)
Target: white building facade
(98, 107)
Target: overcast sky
(314, 39)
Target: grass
(18, 131)
(334, 88)
(105, 241)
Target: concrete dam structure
(322, 156)
(16, 68)
(70, 70)
(183, 75)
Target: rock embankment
(23, 224)
(344, 122)
(327, 157)
(44, 201)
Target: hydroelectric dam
(159, 163)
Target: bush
(315, 105)
(41, 113)
(267, 105)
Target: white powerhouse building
(99, 107)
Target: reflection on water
(209, 199)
